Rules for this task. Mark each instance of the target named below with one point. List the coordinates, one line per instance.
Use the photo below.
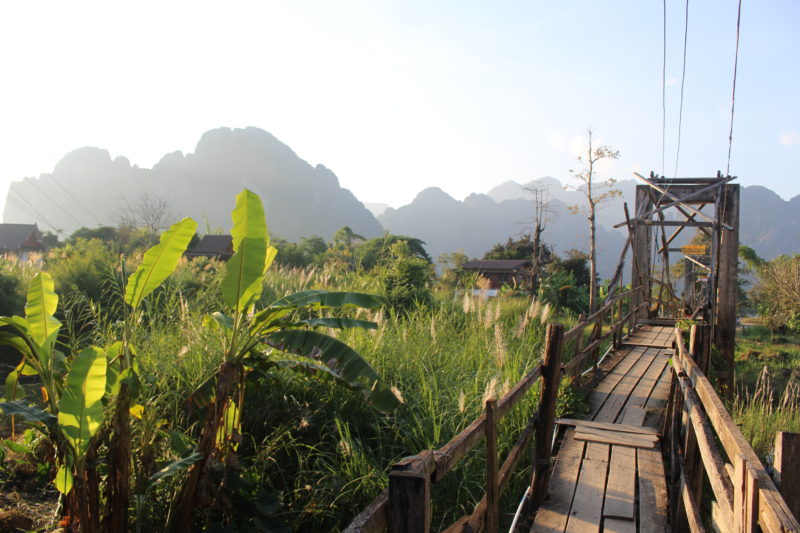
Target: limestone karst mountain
(476, 223)
(88, 188)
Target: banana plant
(75, 390)
(157, 264)
(253, 338)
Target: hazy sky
(398, 96)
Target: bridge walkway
(609, 476)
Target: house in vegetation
(215, 246)
(499, 272)
(20, 239)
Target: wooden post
(787, 468)
(688, 283)
(725, 331)
(699, 351)
(410, 499)
(641, 250)
(492, 493)
(700, 347)
(745, 497)
(551, 377)
(677, 511)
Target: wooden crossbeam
(682, 201)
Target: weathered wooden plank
(553, 514)
(614, 437)
(647, 384)
(652, 491)
(587, 506)
(620, 498)
(551, 378)
(409, 502)
(787, 468)
(618, 525)
(492, 492)
(745, 497)
(625, 428)
(691, 507)
(599, 394)
(658, 400)
(374, 518)
(714, 466)
(613, 405)
(774, 513)
(513, 396)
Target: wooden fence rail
(745, 498)
(406, 505)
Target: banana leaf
(80, 410)
(40, 308)
(346, 364)
(159, 261)
(320, 298)
(244, 272)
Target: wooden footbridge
(657, 451)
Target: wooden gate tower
(664, 208)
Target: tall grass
(767, 396)
(764, 411)
(315, 444)
(318, 445)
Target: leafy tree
(577, 263)
(406, 278)
(777, 293)
(450, 265)
(378, 251)
(561, 289)
(523, 247)
(596, 194)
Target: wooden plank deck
(612, 487)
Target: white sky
(398, 96)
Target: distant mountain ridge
(87, 186)
(475, 224)
(300, 200)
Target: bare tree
(150, 213)
(541, 214)
(596, 194)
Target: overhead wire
(733, 94)
(70, 215)
(683, 84)
(88, 211)
(664, 91)
(35, 211)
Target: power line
(664, 92)
(35, 212)
(733, 94)
(683, 82)
(90, 213)
(70, 215)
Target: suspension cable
(733, 93)
(683, 83)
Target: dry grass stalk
(499, 346)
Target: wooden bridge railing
(406, 505)
(745, 497)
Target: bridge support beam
(725, 327)
(642, 251)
